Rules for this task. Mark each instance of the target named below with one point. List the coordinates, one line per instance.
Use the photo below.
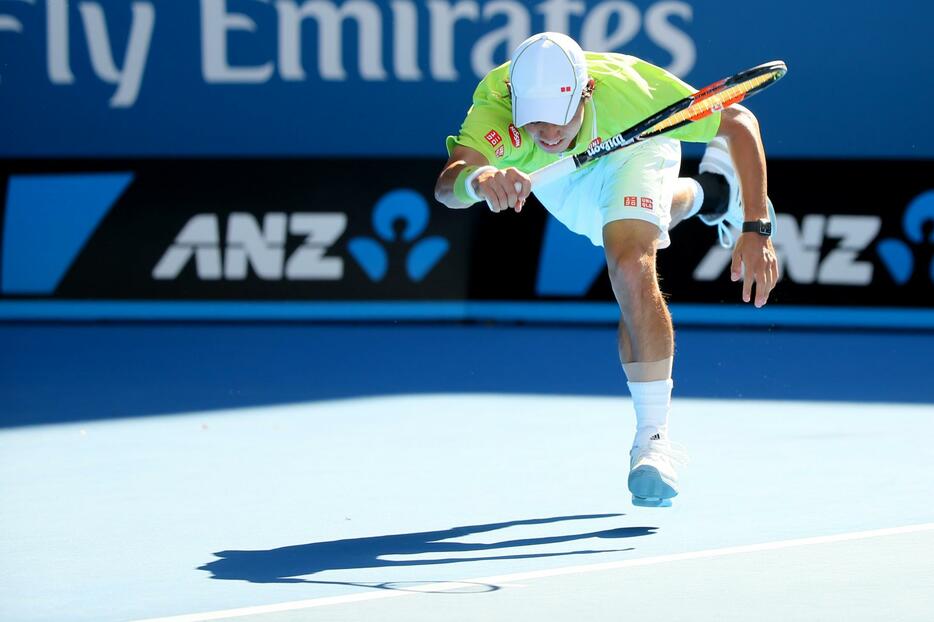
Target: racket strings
(711, 103)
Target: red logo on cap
(565, 89)
(515, 136)
(646, 203)
(493, 137)
(629, 202)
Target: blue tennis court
(426, 472)
(308, 311)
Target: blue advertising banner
(294, 238)
(105, 78)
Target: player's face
(556, 138)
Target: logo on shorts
(644, 202)
(501, 151)
(515, 136)
(493, 137)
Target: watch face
(762, 227)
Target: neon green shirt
(626, 91)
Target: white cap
(547, 77)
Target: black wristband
(761, 226)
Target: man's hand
(754, 261)
(503, 189)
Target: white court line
(552, 572)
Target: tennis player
(553, 99)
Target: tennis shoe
(653, 476)
(717, 160)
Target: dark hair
(585, 94)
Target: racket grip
(553, 171)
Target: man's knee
(630, 254)
(631, 267)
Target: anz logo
(835, 249)
(410, 210)
(800, 247)
(803, 259)
(263, 247)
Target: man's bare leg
(646, 347)
(646, 333)
(682, 201)
(706, 193)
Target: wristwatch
(761, 226)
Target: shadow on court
(283, 564)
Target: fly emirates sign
(399, 40)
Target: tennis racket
(704, 102)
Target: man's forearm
(742, 131)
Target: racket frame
(646, 128)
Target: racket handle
(553, 171)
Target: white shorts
(635, 182)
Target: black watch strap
(761, 226)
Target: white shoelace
(724, 234)
(673, 453)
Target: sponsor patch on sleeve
(629, 202)
(646, 202)
(493, 137)
(515, 136)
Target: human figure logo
(409, 208)
(897, 255)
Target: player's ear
(588, 90)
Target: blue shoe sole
(649, 489)
(651, 503)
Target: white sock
(652, 401)
(698, 197)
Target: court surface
(419, 472)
